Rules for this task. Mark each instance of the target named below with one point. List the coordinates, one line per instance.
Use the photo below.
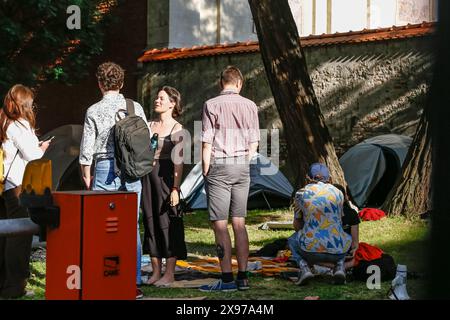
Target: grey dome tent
(64, 151)
(269, 188)
(372, 166)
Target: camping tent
(372, 166)
(269, 188)
(64, 151)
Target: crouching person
(320, 238)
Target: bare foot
(153, 280)
(164, 282)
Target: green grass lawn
(403, 239)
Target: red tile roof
(408, 31)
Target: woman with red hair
(20, 145)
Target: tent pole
(268, 204)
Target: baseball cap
(319, 171)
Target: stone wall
(363, 89)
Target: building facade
(187, 23)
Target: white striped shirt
(98, 137)
(230, 123)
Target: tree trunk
(440, 124)
(306, 134)
(410, 196)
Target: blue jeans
(105, 179)
(294, 246)
(299, 255)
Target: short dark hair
(110, 76)
(342, 189)
(231, 75)
(175, 97)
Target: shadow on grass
(200, 219)
(36, 272)
(197, 219)
(413, 254)
(254, 219)
(208, 249)
(270, 288)
(36, 280)
(36, 283)
(202, 248)
(262, 243)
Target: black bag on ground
(132, 146)
(271, 249)
(387, 266)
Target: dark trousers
(15, 251)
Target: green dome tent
(372, 167)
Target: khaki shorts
(227, 187)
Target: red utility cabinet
(92, 254)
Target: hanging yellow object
(37, 176)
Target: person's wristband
(176, 189)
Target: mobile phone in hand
(46, 139)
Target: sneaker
(242, 284)
(139, 294)
(305, 274)
(219, 286)
(319, 270)
(339, 273)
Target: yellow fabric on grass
(211, 265)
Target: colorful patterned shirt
(321, 205)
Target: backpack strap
(7, 174)
(130, 107)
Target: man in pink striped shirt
(230, 137)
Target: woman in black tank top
(164, 229)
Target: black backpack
(132, 146)
(387, 266)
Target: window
(330, 16)
(349, 15)
(382, 13)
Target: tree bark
(306, 134)
(440, 124)
(410, 196)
